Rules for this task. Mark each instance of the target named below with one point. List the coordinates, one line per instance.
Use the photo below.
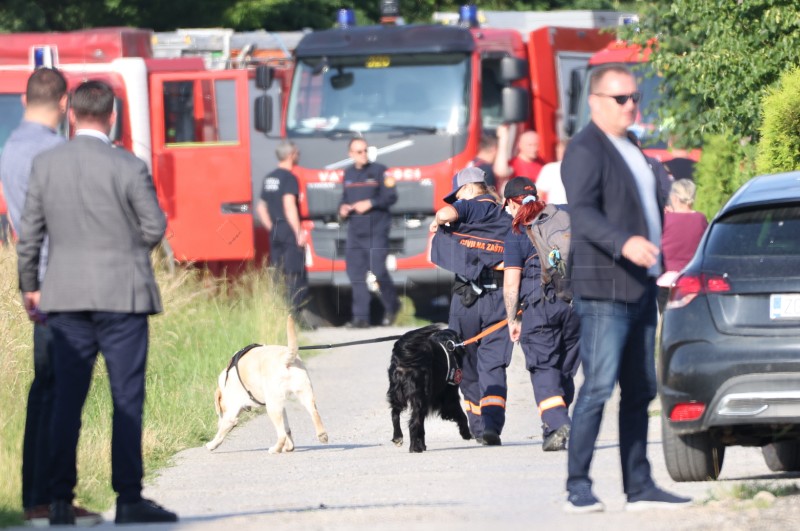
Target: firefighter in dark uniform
(279, 212)
(548, 329)
(367, 196)
(471, 246)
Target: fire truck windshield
(647, 126)
(11, 111)
(412, 93)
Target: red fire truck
(192, 127)
(647, 126)
(422, 96)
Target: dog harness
(453, 370)
(235, 363)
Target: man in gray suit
(99, 208)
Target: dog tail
(291, 339)
(218, 401)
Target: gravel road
(360, 480)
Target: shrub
(726, 164)
(779, 147)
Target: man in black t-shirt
(279, 212)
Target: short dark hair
(487, 142)
(93, 100)
(46, 86)
(600, 73)
(354, 140)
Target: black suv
(729, 365)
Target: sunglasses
(359, 152)
(622, 99)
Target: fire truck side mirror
(515, 105)
(263, 114)
(513, 69)
(264, 77)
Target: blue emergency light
(346, 18)
(468, 16)
(44, 57)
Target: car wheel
(783, 456)
(691, 457)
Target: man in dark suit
(616, 214)
(98, 206)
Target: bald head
(528, 145)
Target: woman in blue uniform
(548, 328)
(469, 242)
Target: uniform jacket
(605, 211)
(370, 183)
(98, 206)
(476, 241)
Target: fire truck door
(201, 162)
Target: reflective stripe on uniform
(550, 403)
(493, 401)
(475, 409)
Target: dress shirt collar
(95, 133)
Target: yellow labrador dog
(263, 375)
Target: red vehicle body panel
(196, 179)
(76, 47)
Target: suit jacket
(98, 205)
(605, 211)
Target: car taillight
(688, 286)
(687, 411)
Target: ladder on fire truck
(222, 48)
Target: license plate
(784, 306)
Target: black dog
(424, 374)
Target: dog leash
(349, 343)
(483, 334)
(497, 326)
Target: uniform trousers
(550, 339)
(290, 260)
(483, 382)
(366, 250)
(123, 340)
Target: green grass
(744, 495)
(204, 322)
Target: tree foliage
(718, 58)
(272, 15)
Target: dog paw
(211, 446)
(417, 447)
(398, 442)
(466, 435)
(323, 438)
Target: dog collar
(453, 370)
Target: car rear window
(766, 231)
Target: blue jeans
(617, 344)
